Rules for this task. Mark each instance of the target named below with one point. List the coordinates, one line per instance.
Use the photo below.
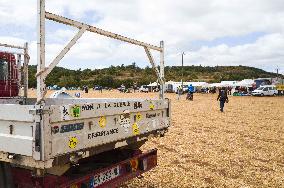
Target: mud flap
(5, 175)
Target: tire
(261, 94)
(5, 175)
(274, 94)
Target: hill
(114, 76)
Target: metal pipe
(40, 49)
(19, 71)
(12, 46)
(277, 72)
(11, 52)
(26, 71)
(182, 69)
(152, 61)
(90, 28)
(162, 70)
(64, 51)
(42, 71)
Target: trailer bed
(65, 130)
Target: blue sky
(211, 32)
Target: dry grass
(243, 147)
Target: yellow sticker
(73, 141)
(152, 106)
(75, 111)
(135, 129)
(102, 121)
(139, 116)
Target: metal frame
(25, 53)
(43, 71)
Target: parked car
(144, 89)
(97, 87)
(267, 90)
(184, 89)
(122, 89)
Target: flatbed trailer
(45, 141)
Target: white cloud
(267, 52)
(12, 40)
(18, 13)
(179, 24)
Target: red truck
(74, 142)
(8, 75)
(107, 169)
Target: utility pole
(277, 70)
(182, 69)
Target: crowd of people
(223, 92)
(222, 96)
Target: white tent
(245, 83)
(195, 84)
(204, 85)
(228, 83)
(215, 85)
(185, 84)
(154, 84)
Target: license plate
(106, 176)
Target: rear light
(134, 164)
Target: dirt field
(242, 147)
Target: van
(144, 89)
(267, 90)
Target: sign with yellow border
(280, 87)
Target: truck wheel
(5, 175)
(261, 94)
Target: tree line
(114, 76)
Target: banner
(280, 87)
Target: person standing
(122, 88)
(134, 86)
(229, 90)
(86, 89)
(179, 91)
(222, 97)
(190, 92)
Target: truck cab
(8, 75)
